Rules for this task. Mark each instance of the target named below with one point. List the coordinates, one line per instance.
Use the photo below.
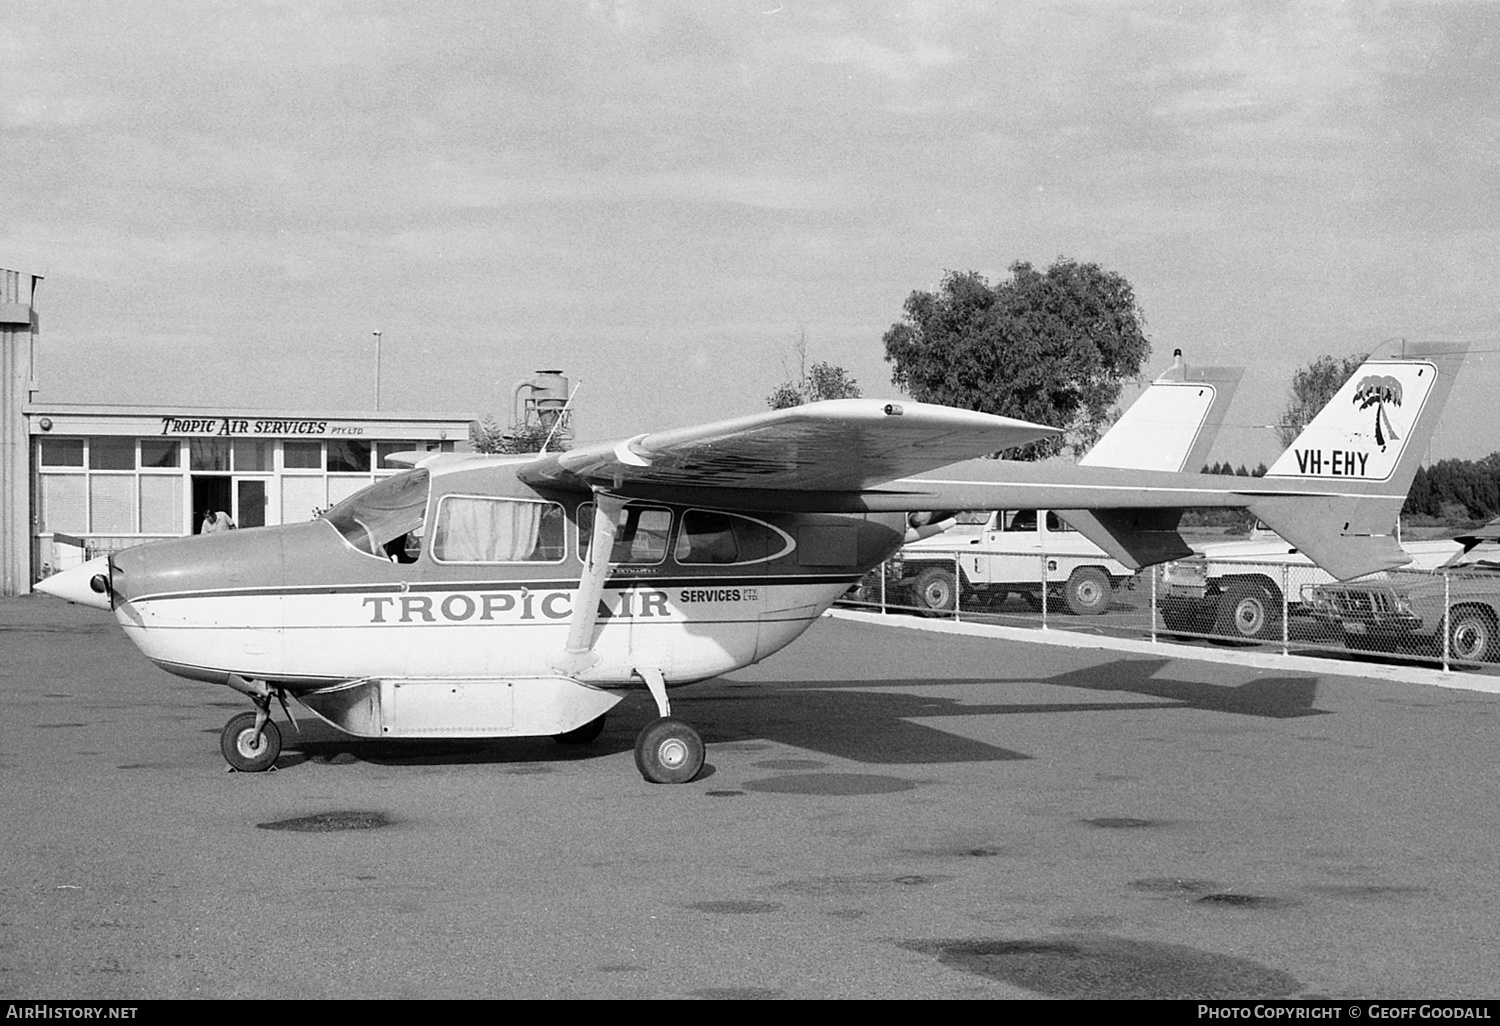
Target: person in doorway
(215, 523)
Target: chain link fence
(1446, 617)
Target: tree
(1312, 387)
(1051, 347)
(823, 381)
(488, 436)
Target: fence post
(1286, 606)
(958, 587)
(883, 567)
(1044, 590)
(1153, 603)
(1447, 616)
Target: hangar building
(81, 480)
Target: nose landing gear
(247, 748)
(251, 741)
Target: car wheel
(1472, 635)
(936, 590)
(1249, 610)
(1088, 591)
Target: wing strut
(578, 652)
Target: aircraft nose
(86, 584)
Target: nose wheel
(248, 749)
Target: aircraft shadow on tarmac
(857, 720)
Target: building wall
(106, 478)
(18, 326)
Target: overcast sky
(227, 199)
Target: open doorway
(211, 494)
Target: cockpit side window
(640, 535)
(711, 537)
(485, 529)
(385, 519)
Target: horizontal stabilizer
(1343, 537)
(1135, 537)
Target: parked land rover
(1413, 612)
(1234, 588)
(990, 555)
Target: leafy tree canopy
(489, 437)
(1053, 347)
(1312, 387)
(823, 381)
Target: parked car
(992, 554)
(1414, 613)
(1234, 588)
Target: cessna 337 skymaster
(546, 585)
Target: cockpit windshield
(385, 519)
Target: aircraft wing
(843, 445)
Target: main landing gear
(667, 750)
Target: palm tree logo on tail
(1377, 390)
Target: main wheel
(590, 731)
(668, 751)
(1087, 593)
(936, 590)
(1249, 610)
(1471, 636)
(243, 750)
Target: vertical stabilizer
(1172, 424)
(1366, 444)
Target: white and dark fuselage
(490, 589)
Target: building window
(112, 453)
(252, 457)
(161, 503)
(302, 455)
(157, 453)
(384, 449)
(65, 502)
(208, 453)
(62, 452)
(112, 503)
(348, 456)
(303, 498)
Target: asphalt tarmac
(884, 813)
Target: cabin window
(707, 537)
(640, 535)
(1056, 523)
(384, 519)
(481, 529)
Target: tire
(1087, 592)
(668, 751)
(583, 735)
(1177, 619)
(238, 743)
(1471, 639)
(1249, 610)
(936, 590)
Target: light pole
(377, 370)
